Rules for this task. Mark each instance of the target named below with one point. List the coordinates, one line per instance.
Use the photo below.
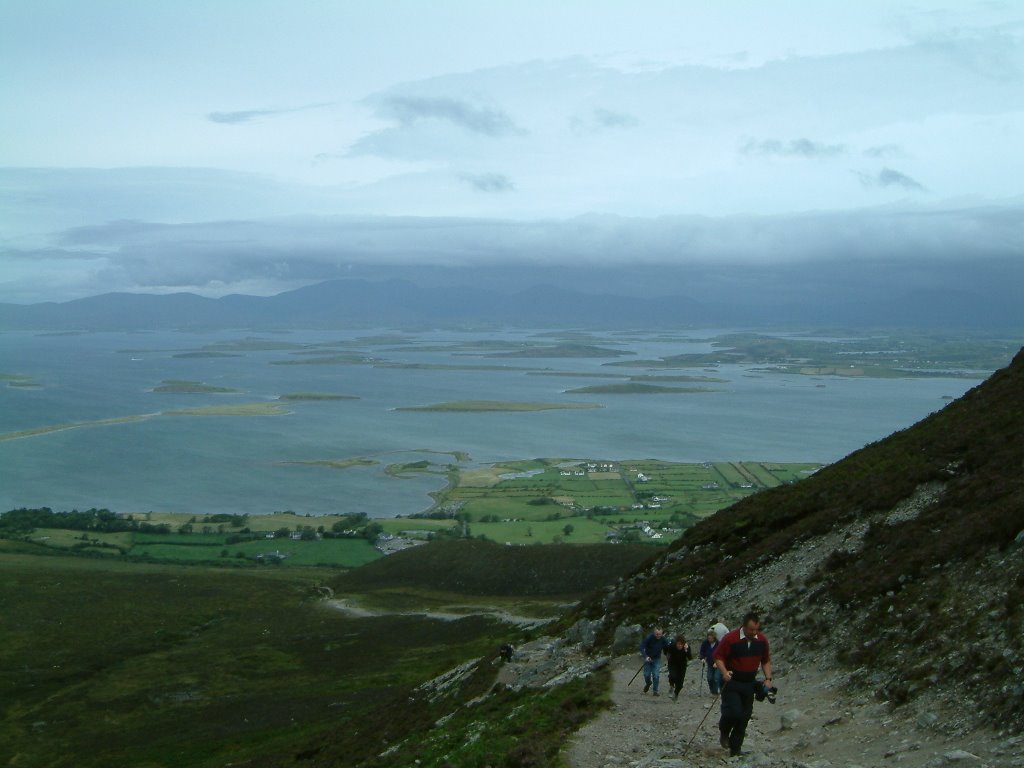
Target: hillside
(891, 584)
(484, 568)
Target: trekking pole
(717, 695)
(700, 677)
(637, 673)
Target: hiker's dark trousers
(737, 707)
(676, 678)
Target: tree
(569, 528)
(372, 531)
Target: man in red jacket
(738, 656)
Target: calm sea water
(234, 464)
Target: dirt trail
(351, 608)
(824, 728)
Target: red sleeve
(722, 651)
(766, 657)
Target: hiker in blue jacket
(707, 655)
(651, 649)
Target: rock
(1019, 540)
(584, 632)
(789, 718)
(927, 720)
(627, 638)
(959, 756)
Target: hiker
(506, 651)
(678, 655)
(737, 657)
(707, 656)
(651, 649)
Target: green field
(532, 502)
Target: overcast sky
(229, 145)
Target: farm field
(539, 501)
(572, 501)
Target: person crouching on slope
(738, 656)
(651, 649)
(678, 655)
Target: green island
(344, 359)
(74, 425)
(409, 468)
(253, 344)
(179, 387)
(568, 350)
(451, 367)
(315, 396)
(241, 409)
(205, 354)
(19, 381)
(488, 406)
(356, 461)
(888, 355)
(635, 388)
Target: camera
(763, 692)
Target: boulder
(627, 638)
(583, 632)
(789, 718)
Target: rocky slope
(892, 584)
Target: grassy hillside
(475, 567)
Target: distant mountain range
(360, 302)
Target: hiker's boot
(647, 687)
(724, 740)
(656, 693)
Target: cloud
(884, 150)
(889, 177)
(223, 256)
(488, 182)
(250, 115)
(602, 119)
(475, 118)
(806, 148)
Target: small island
(634, 388)
(488, 406)
(356, 461)
(242, 409)
(179, 387)
(205, 353)
(314, 396)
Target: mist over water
(209, 464)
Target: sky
(228, 146)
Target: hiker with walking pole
(651, 649)
(738, 656)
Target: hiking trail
(822, 728)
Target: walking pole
(700, 677)
(701, 723)
(637, 673)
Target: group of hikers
(729, 659)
